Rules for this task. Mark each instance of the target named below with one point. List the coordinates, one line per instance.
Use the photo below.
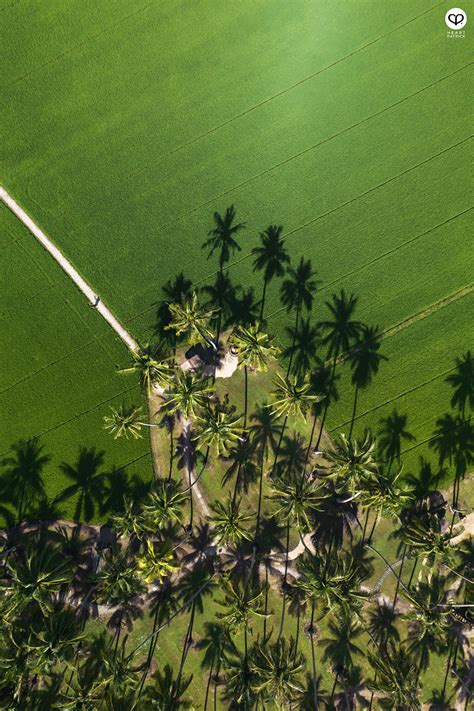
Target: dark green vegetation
(126, 124)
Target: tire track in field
(323, 215)
(85, 41)
(304, 151)
(282, 92)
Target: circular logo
(455, 18)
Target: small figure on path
(96, 302)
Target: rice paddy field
(126, 124)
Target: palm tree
(297, 292)
(129, 522)
(239, 684)
(351, 464)
(277, 669)
(221, 237)
(88, 482)
(23, 480)
(164, 506)
(270, 258)
(241, 602)
(340, 648)
(462, 382)
(393, 432)
(217, 646)
(342, 330)
(365, 360)
(190, 319)
(34, 579)
(218, 429)
(396, 678)
(175, 292)
(296, 500)
(263, 433)
(156, 562)
(150, 370)
(166, 692)
(255, 350)
(228, 522)
(305, 340)
(292, 397)
(384, 496)
(125, 421)
(190, 394)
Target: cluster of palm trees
(285, 483)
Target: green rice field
(126, 124)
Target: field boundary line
(429, 310)
(287, 89)
(65, 264)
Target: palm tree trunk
(216, 683)
(412, 572)
(265, 609)
(246, 393)
(294, 341)
(448, 666)
(313, 659)
(260, 492)
(399, 577)
(334, 686)
(310, 442)
(187, 641)
(365, 524)
(354, 409)
(282, 621)
(170, 473)
(279, 445)
(208, 686)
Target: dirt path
(66, 265)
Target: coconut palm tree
(228, 522)
(270, 258)
(305, 341)
(296, 500)
(384, 496)
(217, 429)
(190, 394)
(23, 480)
(396, 678)
(277, 672)
(462, 382)
(191, 320)
(239, 684)
(364, 360)
(88, 482)
(351, 464)
(156, 562)
(392, 433)
(255, 351)
(166, 691)
(292, 397)
(125, 421)
(164, 505)
(242, 603)
(34, 577)
(218, 646)
(297, 292)
(129, 522)
(221, 237)
(150, 369)
(175, 292)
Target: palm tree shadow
(116, 489)
(22, 483)
(88, 483)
